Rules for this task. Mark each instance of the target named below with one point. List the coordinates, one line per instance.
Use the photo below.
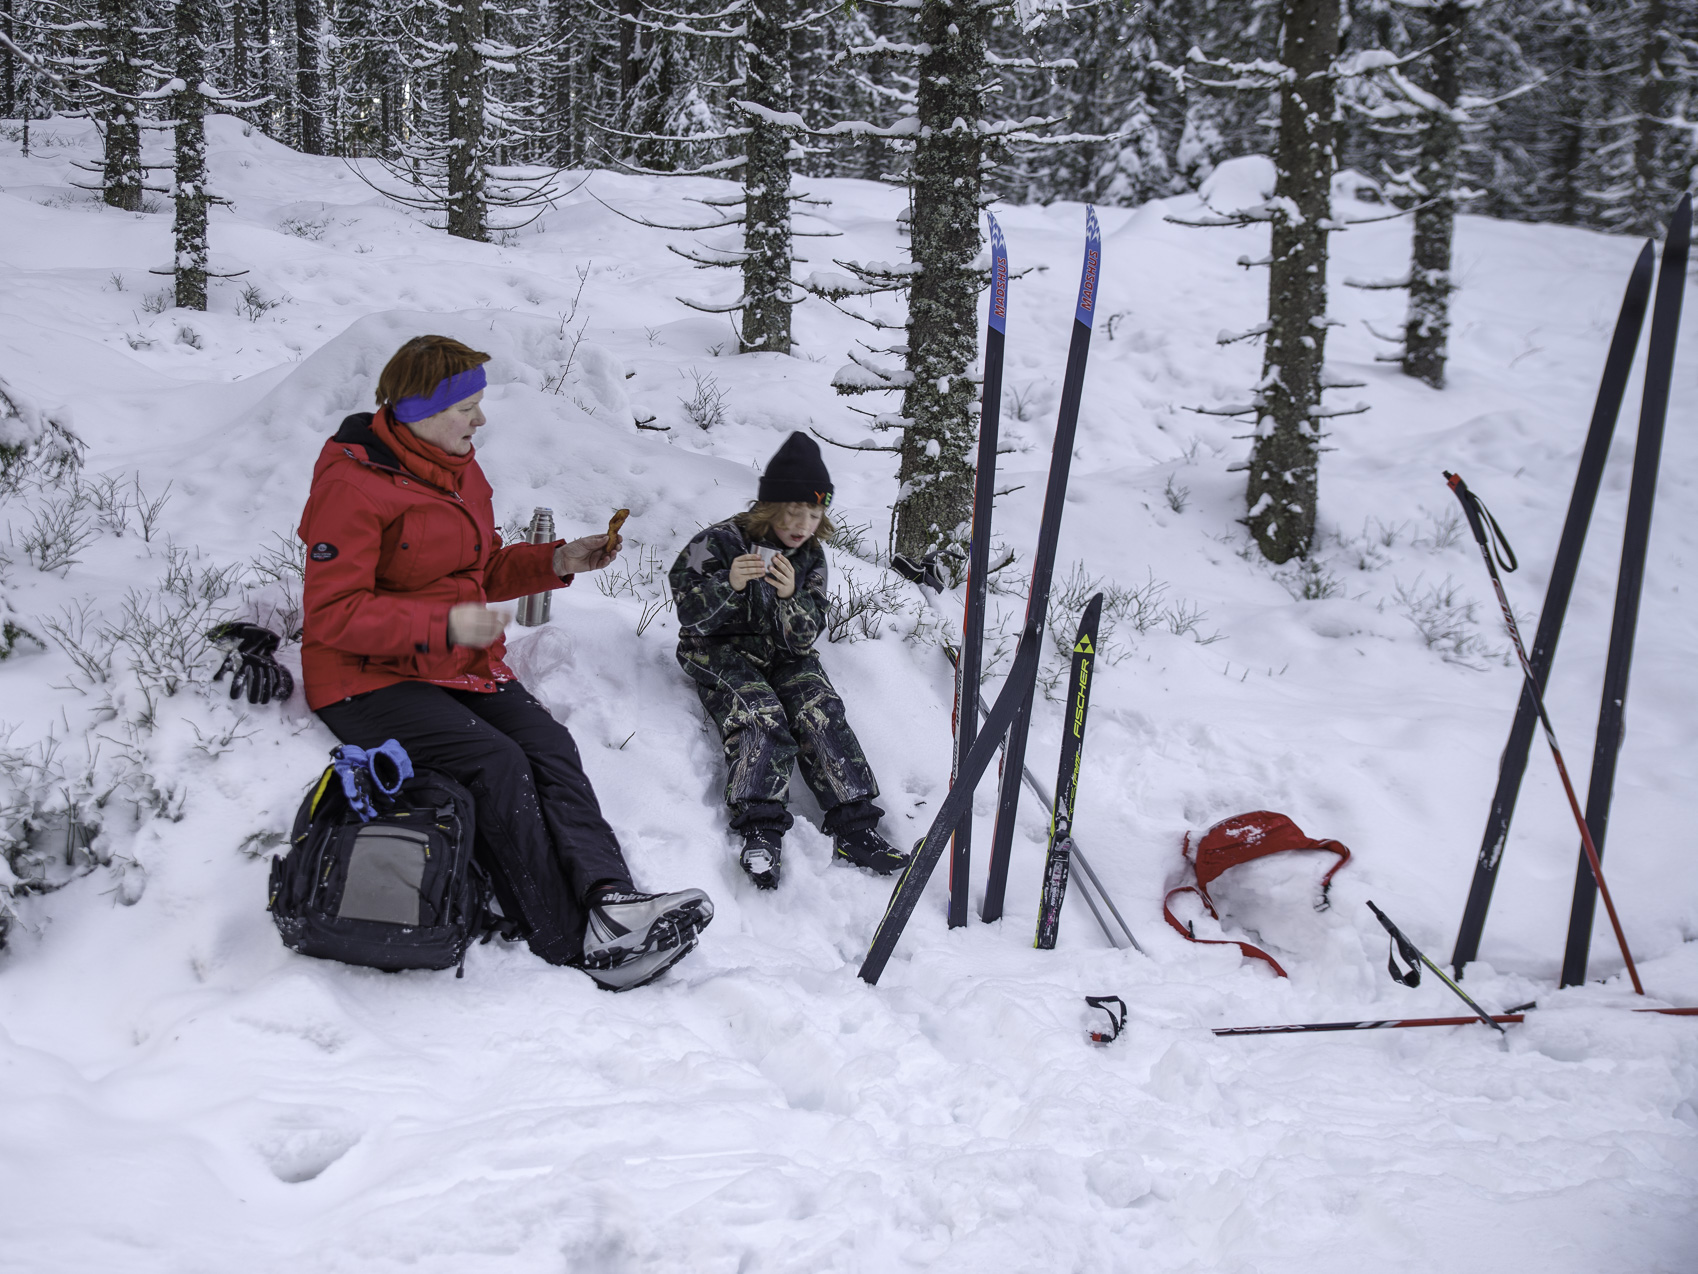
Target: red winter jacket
(387, 554)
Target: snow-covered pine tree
(584, 78)
(108, 76)
(1432, 110)
(1554, 122)
(1213, 127)
(1434, 89)
(371, 79)
(123, 73)
(835, 86)
(12, 69)
(276, 68)
(307, 104)
(759, 35)
(768, 150)
(191, 27)
(951, 144)
(1661, 120)
(1282, 491)
(1100, 78)
(98, 63)
(30, 84)
(475, 106)
(190, 91)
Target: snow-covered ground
(180, 1093)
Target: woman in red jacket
(398, 642)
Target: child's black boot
(866, 848)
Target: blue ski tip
(1093, 262)
(999, 278)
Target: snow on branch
(782, 119)
(1256, 214)
(708, 307)
(1229, 409)
(1377, 285)
(1259, 74)
(906, 127)
(1032, 64)
(706, 170)
(660, 225)
(721, 257)
(853, 446)
(860, 376)
(1333, 380)
(724, 136)
(1248, 334)
(862, 280)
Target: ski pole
(1296, 1028)
(1479, 518)
(1414, 957)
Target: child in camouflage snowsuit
(751, 596)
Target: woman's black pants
(540, 833)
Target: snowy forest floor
(180, 1093)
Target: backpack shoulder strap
(1247, 948)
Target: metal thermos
(533, 610)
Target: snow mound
(1235, 184)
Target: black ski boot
(866, 848)
(633, 938)
(763, 849)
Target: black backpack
(401, 891)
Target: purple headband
(456, 388)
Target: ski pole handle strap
(1399, 945)
(1116, 1022)
(1479, 520)
(1409, 977)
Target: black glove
(248, 653)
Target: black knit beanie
(796, 473)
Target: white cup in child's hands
(766, 555)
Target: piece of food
(613, 525)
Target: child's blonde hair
(761, 515)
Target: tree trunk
(120, 114)
(630, 54)
(1282, 487)
(467, 210)
(1573, 50)
(1652, 192)
(10, 73)
(766, 183)
(1426, 332)
(568, 35)
(240, 76)
(309, 104)
(935, 497)
(189, 187)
